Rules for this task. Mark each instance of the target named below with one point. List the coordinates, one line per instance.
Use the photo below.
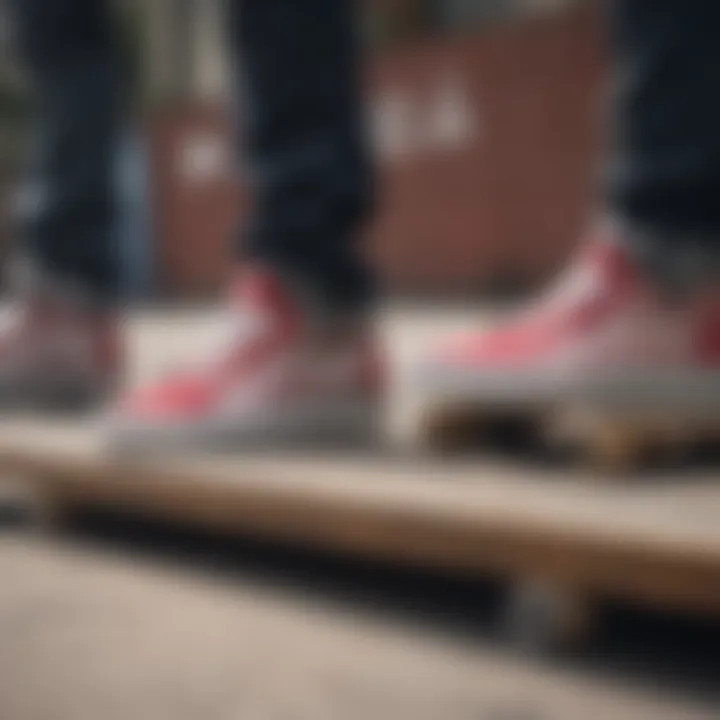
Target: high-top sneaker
(284, 376)
(605, 336)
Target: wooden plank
(655, 541)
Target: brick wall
(487, 144)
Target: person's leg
(305, 365)
(296, 73)
(62, 347)
(632, 331)
(67, 49)
(663, 174)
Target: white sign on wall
(203, 159)
(405, 124)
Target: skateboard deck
(654, 542)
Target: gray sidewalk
(91, 634)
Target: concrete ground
(91, 633)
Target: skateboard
(617, 441)
(562, 540)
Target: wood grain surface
(655, 541)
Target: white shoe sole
(351, 423)
(688, 392)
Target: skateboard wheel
(445, 429)
(610, 443)
(542, 619)
(52, 515)
(617, 448)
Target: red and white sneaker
(280, 379)
(603, 337)
(57, 353)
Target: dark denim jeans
(297, 90)
(664, 167)
(298, 93)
